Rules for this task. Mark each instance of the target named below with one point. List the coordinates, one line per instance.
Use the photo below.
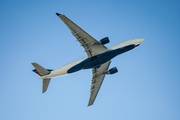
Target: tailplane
(45, 84)
(42, 71)
(39, 73)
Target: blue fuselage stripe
(98, 60)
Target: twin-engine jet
(98, 58)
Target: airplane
(98, 58)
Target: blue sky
(145, 88)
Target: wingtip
(89, 105)
(58, 14)
(43, 91)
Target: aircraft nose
(141, 41)
(138, 42)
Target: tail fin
(41, 71)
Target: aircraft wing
(98, 77)
(86, 40)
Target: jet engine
(103, 41)
(112, 71)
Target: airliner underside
(98, 58)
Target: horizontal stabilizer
(39, 73)
(40, 70)
(45, 84)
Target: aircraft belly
(97, 61)
(63, 70)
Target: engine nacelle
(112, 71)
(103, 41)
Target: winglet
(58, 14)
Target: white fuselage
(63, 70)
